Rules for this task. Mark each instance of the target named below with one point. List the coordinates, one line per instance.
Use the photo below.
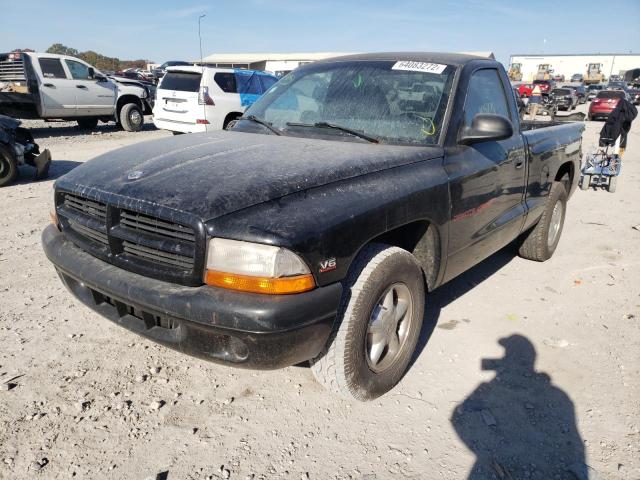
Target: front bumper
(239, 329)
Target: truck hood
(213, 174)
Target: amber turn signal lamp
(54, 218)
(270, 286)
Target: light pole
(200, 35)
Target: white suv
(199, 99)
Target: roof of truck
(456, 59)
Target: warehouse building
(567, 65)
(277, 63)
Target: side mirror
(92, 72)
(486, 127)
(99, 77)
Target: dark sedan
(580, 92)
(565, 98)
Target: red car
(545, 85)
(604, 103)
(525, 89)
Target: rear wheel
(131, 117)
(87, 123)
(586, 181)
(8, 166)
(541, 241)
(613, 184)
(378, 325)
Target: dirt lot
(91, 400)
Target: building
(567, 65)
(277, 63)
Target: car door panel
(93, 98)
(58, 97)
(487, 187)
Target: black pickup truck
(313, 230)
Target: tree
(101, 62)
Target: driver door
(93, 97)
(487, 180)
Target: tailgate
(177, 97)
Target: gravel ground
(525, 370)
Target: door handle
(50, 85)
(81, 86)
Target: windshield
(394, 102)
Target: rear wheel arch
(230, 117)
(566, 174)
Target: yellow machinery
(544, 72)
(594, 74)
(515, 72)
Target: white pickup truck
(49, 86)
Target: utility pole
(200, 35)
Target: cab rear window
(181, 81)
(51, 68)
(611, 95)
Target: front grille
(139, 242)
(145, 223)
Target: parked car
(580, 91)
(558, 78)
(593, 90)
(577, 77)
(617, 85)
(48, 86)
(525, 89)
(545, 85)
(615, 78)
(565, 98)
(604, 103)
(17, 148)
(634, 95)
(289, 239)
(198, 99)
(159, 72)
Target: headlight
(253, 267)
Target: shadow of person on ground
(519, 425)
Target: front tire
(613, 184)
(586, 181)
(541, 241)
(131, 117)
(378, 325)
(8, 166)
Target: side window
(267, 82)
(248, 83)
(226, 81)
(485, 95)
(79, 71)
(51, 68)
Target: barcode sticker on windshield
(419, 66)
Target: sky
(168, 30)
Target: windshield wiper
(350, 131)
(262, 122)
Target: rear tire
(541, 241)
(373, 340)
(8, 166)
(131, 117)
(87, 123)
(613, 184)
(586, 181)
